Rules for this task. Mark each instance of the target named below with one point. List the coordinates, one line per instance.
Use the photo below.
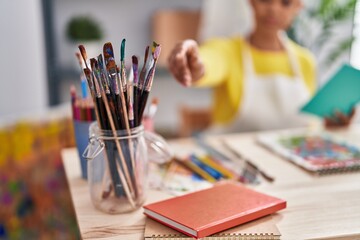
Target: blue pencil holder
(81, 131)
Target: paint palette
(320, 153)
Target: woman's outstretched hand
(185, 63)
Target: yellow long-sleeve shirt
(223, 62)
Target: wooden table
(326, 207)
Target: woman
(259, 81)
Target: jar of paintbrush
(118, 149)
(117, 168)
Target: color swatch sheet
(340, 93)
(317, 152)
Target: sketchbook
(320, 153)
(263, 228)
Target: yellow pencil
(195, 169)
(207, 160)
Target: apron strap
(248, 63)
(291, 55)
(249, 69)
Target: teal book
(341, 93)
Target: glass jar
(117, 169)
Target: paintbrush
(83, 54)
(111, 97)
(136, 91)
(90, 82)
(103, 87)
(114, 83)
(123, 105)
(95, 93)
(82, 77)
(103, 124)
(130, 99)
(104, 78)
(149, 79)
(143, 69)
(110, 66)
(139, 89)
(135, 69)
(155, 52)
(100, 121)
(115, 169)
(122, 68)
(97, 102)
(98, 69)
(124, 176)
(125, 100)
(120, 101)
(248, 162)
(87, 72)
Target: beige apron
(269, 101)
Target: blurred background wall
(23, 82)
(133, 20)
(38, 65)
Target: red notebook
(202, 213)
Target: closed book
(202, 213)
(260, 229)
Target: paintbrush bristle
(157, 52)
(135, 68)
(154, 46)
(135, 60)
(108, 54)
(122, 49)
(108, 50)
(83, 52)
